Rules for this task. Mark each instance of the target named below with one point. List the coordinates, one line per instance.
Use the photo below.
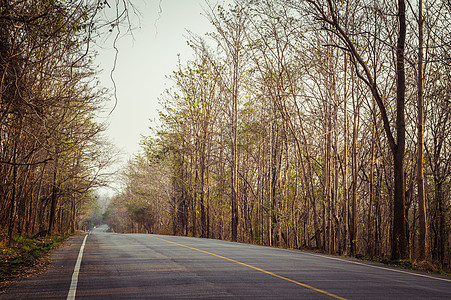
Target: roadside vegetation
(24, 253)
(317, 125)
(320, 125)
(53, 152)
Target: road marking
(256, 268)
(377, 267)
(74, 282)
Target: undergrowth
(407, 264)
(23, 252)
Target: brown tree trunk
(370, 236)
(234, 199)
(12, 216)
(203, 210)
(399, 240)
(53, 204)
(422, 244)
(398, 235)
(344, 244)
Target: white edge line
(74, 282)
(377, 267)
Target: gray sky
(143, 64)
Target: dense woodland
(52, 151)
(309, 124)
(312, 124)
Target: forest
(53, 153)
(318, 124)
(309, 124)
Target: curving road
(138, 266)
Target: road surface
(139, 266)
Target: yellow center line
(258, 269)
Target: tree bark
(53, 204)
(234, 199)
(399, 240)
(422, 244)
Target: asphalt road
(138, 266)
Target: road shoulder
(55, 269)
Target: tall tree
(422, 246)
(231, 26)
(329, 13)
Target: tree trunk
(399, 240)
(12, 216)
(53, 204)
(203, 210)
(371, 241)
(353, 219)
(235, 149)
(344, 244)
(422, 244)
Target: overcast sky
(144, 62)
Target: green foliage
(23, 252)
